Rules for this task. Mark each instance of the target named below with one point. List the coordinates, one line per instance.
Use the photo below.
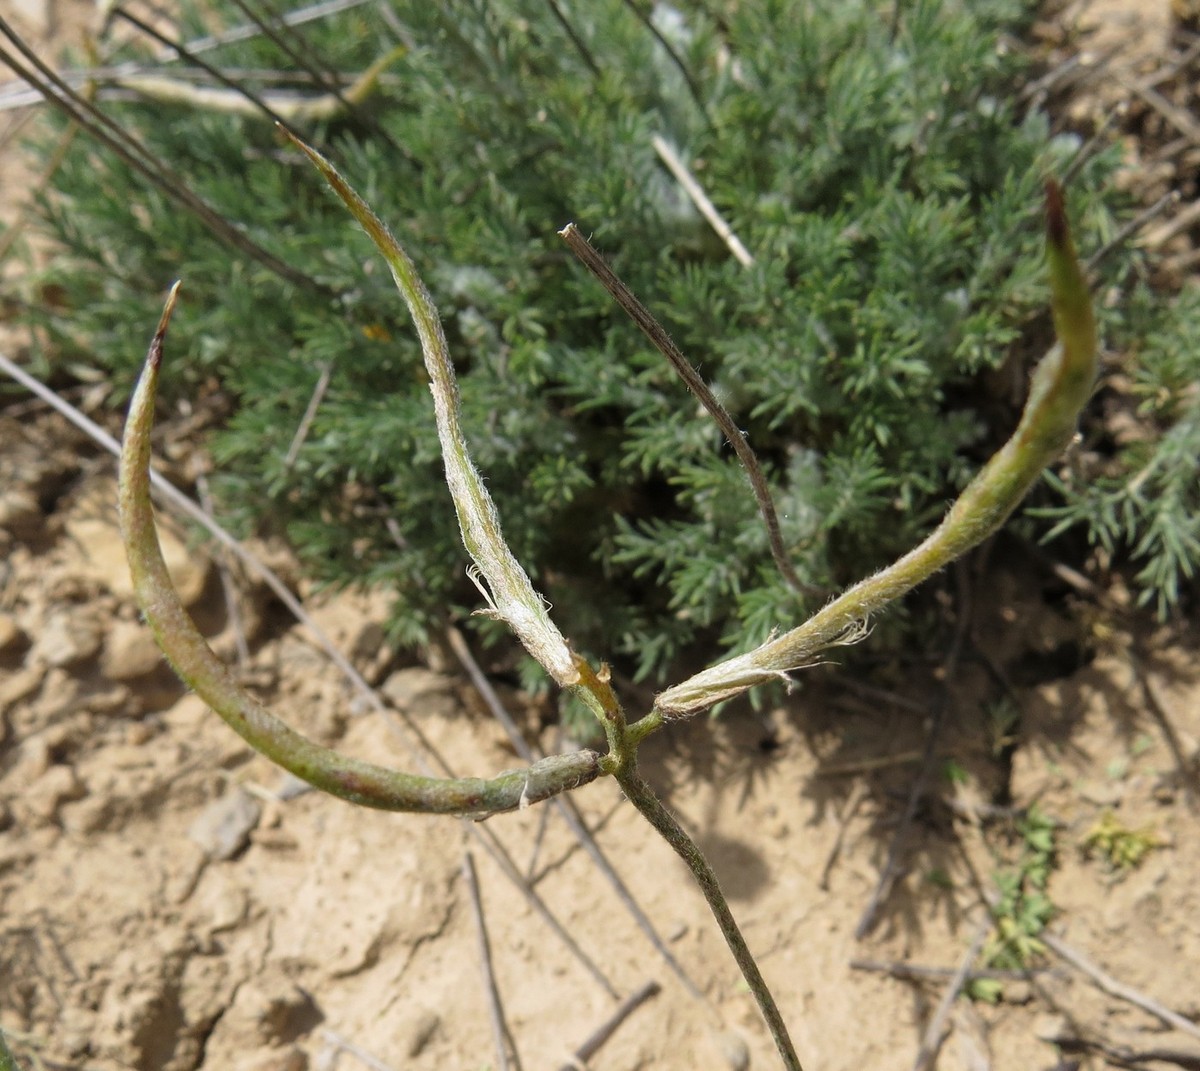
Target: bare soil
(169, 901)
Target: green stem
(651, 808)
(642, 728)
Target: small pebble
(20, 513)
(58, 785)
(734, 1050)
(129, 652)
(223, 828)
(67, 638)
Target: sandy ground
(170, 902)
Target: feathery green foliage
(1145, 498)
(874, 165)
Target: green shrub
(1141, 497)
(876, 167)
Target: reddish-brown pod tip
(1056, 214)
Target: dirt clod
(223, 828)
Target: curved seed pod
(510, 593)
(1058, 391)
(350, 779)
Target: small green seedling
(1117, 844)
(1060, 387)
(1023, 908)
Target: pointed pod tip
(155, 355)
(302, 145)
(321, 163)
(1057, 229)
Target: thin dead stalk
(1179, 223)
(643, 15)
(343, 1044)
(892, 867)
(917, 972)
(1180, 119)
(1117, 989)
(591, 1045)
(538, 837)
(701, 200)
(1168, 200)
(849, 810)
(310, 414)
(1186, 766)
(655, 332)
(501, 1035)
(935, 1031)
(248, 31)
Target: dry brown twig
(931, 1042)
(591, 1045)
(701, 200)
(1176, 225)
(501, 1036)
(1167, 201)
(916, 972)
(591, 259)
(849, 810)
(1115, 988)
(1184, 765)
(310, 414)
(338, 1043)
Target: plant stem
(651, 808)
(643, 727)
(509, 591)
(656, 333)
